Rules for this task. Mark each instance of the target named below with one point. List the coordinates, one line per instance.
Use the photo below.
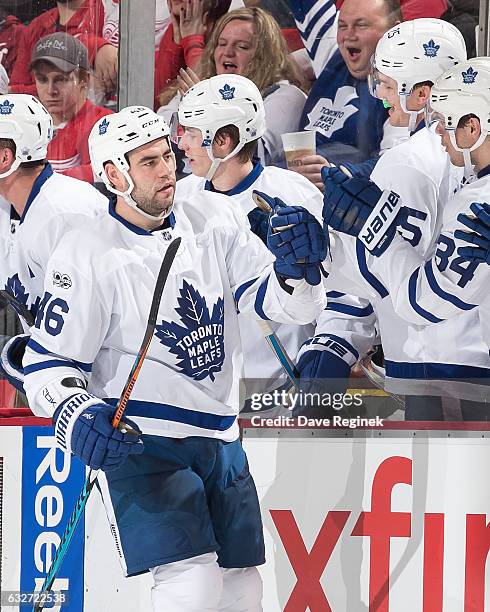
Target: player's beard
(150, 202)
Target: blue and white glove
(11, 360)
(479, 237)
(83, 426)
(297, 240)
(321, 372)
(350, 206)
(259, 223)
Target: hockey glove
(357, 206)
(83, 425)
(479, 237)
(11, 360)
(259, 223)
(297, 240)
(322, 375)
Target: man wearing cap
(60, 69)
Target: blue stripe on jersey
(319, 36)
(166, 412)
(433, 371)
(370, 278)
(438, 290)
(242, 288)
(324, 8)
(51, 363)
(355, 311)
(334, 294)
(259, 299)
(412, 296)
(243, 185)
(36, 188)
(38, 348)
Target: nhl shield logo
(469, 76)
(6, 108)
(431, 49)
(227, 93)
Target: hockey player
(422, 363)
(220, 121)
(428, 287)
(189, 495)
(37, 209)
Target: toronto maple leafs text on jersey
(92, 326)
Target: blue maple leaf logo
(103, 127)
(199, 342)
(16, 288)
(6, 107)
(469, 76)
(228, 93)
(431, 49)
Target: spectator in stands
(414, 9)
(184, 40)
(248, 42)
(81, 18)
(10, 34)
(464, 14)
(61, 71)
(349, 123)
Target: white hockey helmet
(416, 51)
(225, 99)
(24, 120)
(113, 136)
(461, 91)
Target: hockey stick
(279, 351)
(116, 421)
(20, 308)
(376, 375)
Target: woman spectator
(248, 41)
(185, 38)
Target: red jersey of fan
(10, 35)
(86, 24)
(68, 151)
(413, 9)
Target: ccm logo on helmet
(148, 123)
(380, 219)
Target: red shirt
(10, 36)
(86, 24)
(171, 57)
(68, 151)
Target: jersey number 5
(51, 313)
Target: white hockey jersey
(419, 359)
(56, 204)
(262, 369)
(94, 322)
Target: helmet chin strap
(216, 161)
(412, 115)
(15, 164)
(126, 196)
(469, 168)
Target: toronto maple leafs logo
(228, 93)
(328, 117)
(15, 287)
(199, 342)
(431, 49)
(6, 107)
(469, 76)
(103, 127)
